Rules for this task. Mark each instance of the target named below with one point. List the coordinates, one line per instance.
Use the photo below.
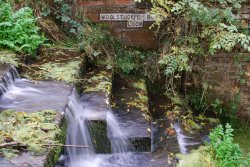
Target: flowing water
(25, 95)
(184, 140)
(80, 111)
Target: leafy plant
(223, 149)
(18, 30)
(63, 13)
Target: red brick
(142, 38)
(106, 3)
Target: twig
(15, 144)
(11, 144)
(62, 145)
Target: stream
(89, 121)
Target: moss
(98, 133)
(140, 101)
(99, 82)
(67, 72)
(29, 129)
(10, 57)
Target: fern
(18, 30)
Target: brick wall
(227, 75)
(142, 37)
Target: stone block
(99, 135)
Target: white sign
(134, 24)
(125, 17)
(133, 20)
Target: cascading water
(24, 95)
(183, 140)
(8, 79)
(80, 111)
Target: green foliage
(128, 60)
(61, 71)
(140, 84)
(197, 28)
(226, 111)
(176, 61)
(29, 129)
(18, 30)
(96, 38)
(64, 14)
(220, 152)
(99, 45)
(223, 149)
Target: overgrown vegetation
(10, 57)
(30, 131)
(101, 81)
(197, 28)
(100, 46)
(18, 29)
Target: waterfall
(119, 142)
(183, 140)
(79, 112)
(8, 79)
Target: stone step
(131, 107)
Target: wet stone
(31, 96)
(142, 144)
(6, 163)
(99, 135)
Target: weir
(116, 137)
